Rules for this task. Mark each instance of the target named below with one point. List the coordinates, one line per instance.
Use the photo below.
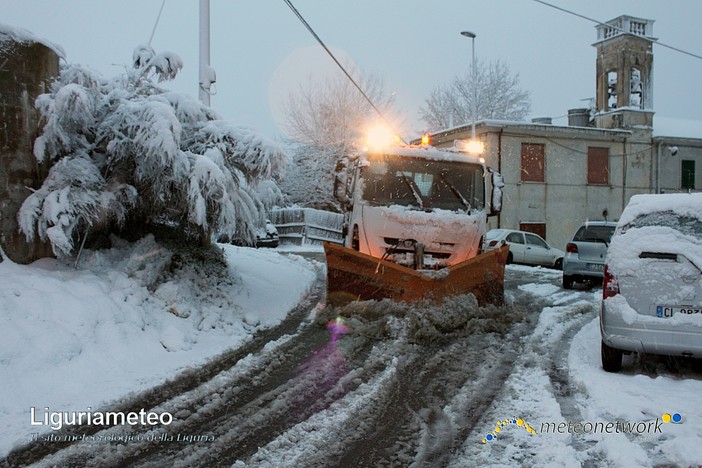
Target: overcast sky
(260, 50)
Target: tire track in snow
(412, 427)
(397, 412)
(555, 344)
(153, 398)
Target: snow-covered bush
(124, 150)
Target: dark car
(267, 236)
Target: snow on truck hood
(434, 226)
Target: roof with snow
(662, 127)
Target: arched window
(611, 90)
(636, 89)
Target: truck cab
(419, 206)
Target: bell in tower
(624, 73)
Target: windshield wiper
(416, 194)
(455, 191)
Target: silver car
(652, 288)
(585, 254)
(525, 247)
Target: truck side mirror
(496, 198)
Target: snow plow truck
(414, 222)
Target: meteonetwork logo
(586, 427)
(501, 425)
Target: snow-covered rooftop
(662, 127)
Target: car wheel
(509, 258)
(611, 358)
(567, 282)
(559, 264)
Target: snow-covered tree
(498, 96)
(310, 180)
(325, 119)
(124, 150)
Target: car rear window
(688, 225)
(594, 234)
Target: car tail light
(610, 285)
(571, 248)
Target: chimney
(542, 120)
(579, 117)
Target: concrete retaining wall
(26, 70)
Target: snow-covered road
(412, 386)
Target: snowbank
(78, 338)
(635, 396)
(583, 415)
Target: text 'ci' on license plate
(665, 311)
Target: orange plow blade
(353, 276)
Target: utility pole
(475, 94)
(474, 146)
(207, 74)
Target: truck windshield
(426, 184)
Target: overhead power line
(153, 31)
(570, 12)
(343, 69)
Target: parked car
(652, 289)
(585, 254)
(267, 236)
(524, 247)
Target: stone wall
(26, 71)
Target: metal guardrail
(307, 226)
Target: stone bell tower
(624, 73)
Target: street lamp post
(473, 104)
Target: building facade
(556, 177)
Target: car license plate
(594, 267)
(669, 311)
